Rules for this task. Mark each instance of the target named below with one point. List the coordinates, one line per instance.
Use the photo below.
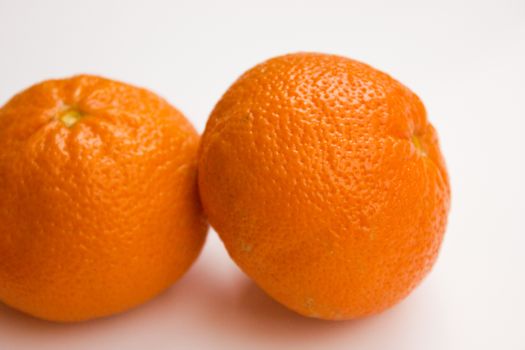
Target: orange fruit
(324, 179)
(99, 207)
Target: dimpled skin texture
(325, 182)
(99, 217)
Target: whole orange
(99, 207)
(324, 179)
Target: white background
(466, 60)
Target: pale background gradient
(465, 59)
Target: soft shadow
(213, 301)
(17, 324)
(260, 316)
(236, 306)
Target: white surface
(466, 61)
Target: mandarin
(99, 208)
(325, 181)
